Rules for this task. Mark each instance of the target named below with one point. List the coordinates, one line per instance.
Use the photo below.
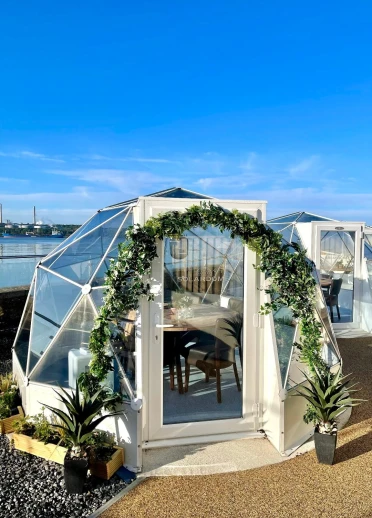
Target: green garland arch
(292, 283)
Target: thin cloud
(6, 179)
(140, 160)
(250, 163)
(304, 166)
(31, 155)
(126, 181)
(229, 182)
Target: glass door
(338, 262)
(203, 363)
(203, 300)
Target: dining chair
(215, 354)
(171, 359)
(236, 304)
(332, 298)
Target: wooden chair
(235, 304)
(332, 298)
(215, 354)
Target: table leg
(178, 368)
(171, 374)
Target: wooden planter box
(105, 470)
(6, 425)
(47, 451)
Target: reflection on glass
(337, 273)
(124, 347)
(54, 297)
(368, 256)
(329, 354)
(94, 222)
(369, 268)
(285, 328)
(329, 349)
(322, 308)
(112, 253)
(288, 231)
(68, 356)
(80, 259)
(203, 315)
(21, 346)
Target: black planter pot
(75, 474)
(325, 446)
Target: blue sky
(102, 101)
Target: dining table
(199, 317)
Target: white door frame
(157, 434)
(358, 228)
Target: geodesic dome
(287, 225)
(215, 270)
(66, 293)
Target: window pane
(306, 218)
(96, 220)
(337, 250)
(124, 346)
(97, 297)
(23, 340)
(53, 299)
(203, 312)
(112, 253)
(69, 356)
(285, 328)
(80, 260)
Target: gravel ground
(31, 487)
(298, 488)
(6, 341)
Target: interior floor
(200, 402)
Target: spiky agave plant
(328, 396)
(82, 416)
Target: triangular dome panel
(81, 258)
(99, 218)
(97, 296)
(100, 275)
(233, 271)
(68, 356)
(23, 337)
(306, 217)
(289, 218)
(112, 253)
(285, 330)
(54, 298)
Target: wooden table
(204, 315)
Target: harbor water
(20, 255)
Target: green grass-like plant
(81, 418)
(328, 396)
(9, 395)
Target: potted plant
(37, 436)
(328, 396)
(105, 457)
(77, 425)
(10, 402)
(181, 305)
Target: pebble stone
(31, 487)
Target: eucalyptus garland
(289, 274)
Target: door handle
(164, 325)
